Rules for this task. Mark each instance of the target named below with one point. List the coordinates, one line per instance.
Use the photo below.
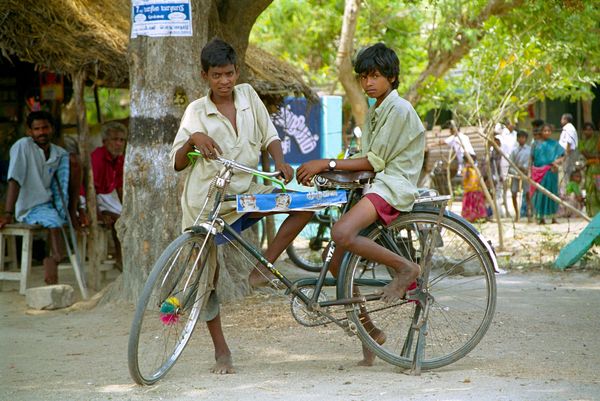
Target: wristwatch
(332, 164)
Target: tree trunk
(158, 67)
(354, 92)
(94, 257)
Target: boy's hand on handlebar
(206, 145)
(307, 170)
(286, 171)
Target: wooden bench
(8, 254)
(8, 236)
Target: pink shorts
(385, 211)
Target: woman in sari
(589, 147)
(473, 204)
(546, 156)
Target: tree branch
(442, 61)
(353, 90)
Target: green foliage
(306, 33)
(518, 62)
(114, 104)
(541, 49)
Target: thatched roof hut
(69, 36)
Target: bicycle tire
(307, 248)
(461, 282)
(168, 308)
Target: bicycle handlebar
(267, 175)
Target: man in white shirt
(508, 142)
(568, 140)
(459, 143)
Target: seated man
(107, 166)
(39, 186)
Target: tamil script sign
(161, 18)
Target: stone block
(49, 297)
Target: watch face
(332, 164)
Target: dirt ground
(544, 344)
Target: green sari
(589, 148)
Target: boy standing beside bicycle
(393, 145)
(233, 122)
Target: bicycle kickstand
(420, 347)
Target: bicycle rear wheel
(458, 282)
(307, 249)
(168, 308)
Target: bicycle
(441, 319)
(306, 249)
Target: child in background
(573, 195)
(473, 204)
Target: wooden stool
(9, 233)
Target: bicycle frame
(215, 225)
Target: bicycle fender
(462, 221)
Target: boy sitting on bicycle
(233, 122)
(393, 145)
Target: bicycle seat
(344, 179)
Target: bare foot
(368, 355)
(259, 277)
(262, 277)
(397, 287)
(223, 365)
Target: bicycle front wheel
(458, 281)
(168, 308)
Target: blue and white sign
(281, 202)
(160, 18)
(299, 128)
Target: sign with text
(281, 202)
(161, 18)
(299, 128)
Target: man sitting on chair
(107, 165)
(39, 186)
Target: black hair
(378, 57)
(521, 133)
(568, 117)
(537, 123)
(39, 115)
(589, 124)
(217, 53)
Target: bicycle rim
(461, 284)
(168, 308)
(307, 249)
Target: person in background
(473, 203)
(536, 130)
(42, 187)
(520, 156)
(589, 146)
(459, 143)
(568, 140)
(107, 167)
(547, 155)
(508, 142)
(573, 195)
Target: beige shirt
(255, 132)
(394, 143)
